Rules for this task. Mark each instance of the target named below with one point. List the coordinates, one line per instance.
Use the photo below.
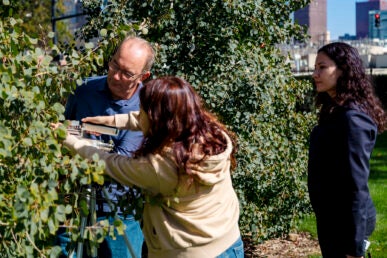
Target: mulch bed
(295, 245)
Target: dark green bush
(227, 50)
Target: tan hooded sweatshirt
(198, 220)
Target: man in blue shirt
(116, 93)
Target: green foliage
(36, 173)
(227, 50)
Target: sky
(341, 17)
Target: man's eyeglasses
(125, 74)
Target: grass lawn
(378, 189)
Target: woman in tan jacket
(183, 165)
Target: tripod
(89, 195)
(89, 192)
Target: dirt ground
(294, 246)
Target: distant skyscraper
(315, 17)
(362, 16)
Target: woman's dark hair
(353, 85)
(178, 120)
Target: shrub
(35, 172)
(227, 50)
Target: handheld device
(77, 128)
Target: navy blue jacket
(338, 171)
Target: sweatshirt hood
(211, 170)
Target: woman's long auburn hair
(177, 119)
(353, 86)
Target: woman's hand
(61, 134)
(55, 126)
(104, 120)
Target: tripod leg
(93, 220)
(89, 194)
(127, 242)
(80, 242)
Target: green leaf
(12, 20)
(119, 226)
(34, 189)
(89, 45)
(44, 214)
(60, 213)
(103, 32)
(68, 209)
(51, 226)
(61, 133)
(84, 207)
(46, 61)
(22, 193)
(51, 35)
(33, 41)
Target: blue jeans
(110, 248)
(234, 251)
(118, 247)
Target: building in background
(314, 16)
(363, 17)
(377, 27)
(370, 41)
(347, 37)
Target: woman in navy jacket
(340, 148)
